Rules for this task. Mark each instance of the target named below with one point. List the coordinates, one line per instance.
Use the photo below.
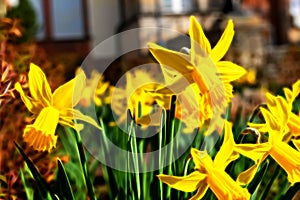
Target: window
(60, 20)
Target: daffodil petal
(246, 176)
(223, 44)
(38, 85)
(150, 119)
(69, 94)
(187, 183)
(230, 71)
(199, 42)
(288, 158)
(294, 124)
(175, 60)
(202, 188)
(226, 149)
(169, 74)
(288, 95)
(71, 124)
(296, 89)
(271, 122)
(255, 152)
(77, 115)
(201, 159)
(278, 107)
(297, 144)
(32, 105)
(176, 87)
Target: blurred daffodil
(211, 174)
(96, 89)
(202, 66)
(133, 96)
(249, 77)
(50, 109)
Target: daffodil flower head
(50, 109)
(287, 122)
(202, 66)
(276, 117)
(96, 90)
(131, 95)
(211, 173)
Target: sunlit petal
(179, 84)
(296, 89)
(223, 44)
(38, 85)
(294, 124)
(199, 43)
(256, 152)
(278, 107)
(175, 60)
(68, 114)
(32, 105)
(288, 94)
(187, 183)
(246, 176)
(226, 149)
(289, 159)
(202, 188)
(297, 144)
(201, 159)
(230, 71)
(272, 124)
(69, 94)
(224, 187)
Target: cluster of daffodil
(202, 84)
(282, 125)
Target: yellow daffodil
(211, 174)
(189, 66)
(249, 77)
(134, 96)
(50, 109)
(281, 109)
(96, 89)
(293, 120)
(286, 156)
(190, 110)
(203, 66)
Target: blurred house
(78, 26)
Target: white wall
(103, 18)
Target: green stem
(171, 124)
(83, 161)
(160, 138)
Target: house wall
(103, 21)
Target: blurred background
(266, 40)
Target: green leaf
(267, 187)
(255, 184)
(42, 187)
(83, 162)
(63, 184)
(28, 189)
